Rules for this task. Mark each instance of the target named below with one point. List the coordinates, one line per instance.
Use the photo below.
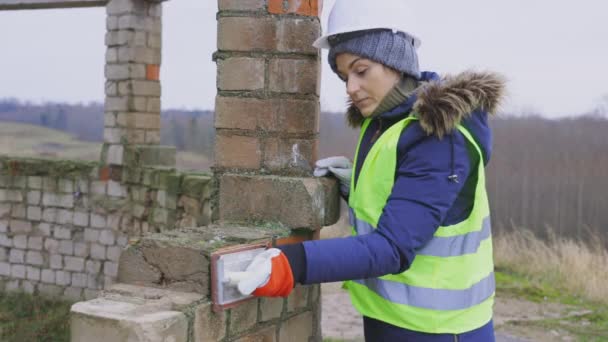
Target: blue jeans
(378, 331)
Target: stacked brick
(133, 58)
(64, 225)
(267, 106)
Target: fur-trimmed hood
(441, 104)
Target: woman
(419, 266)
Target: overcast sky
(554, 52)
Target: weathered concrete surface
(134, 314)
(42, 4)
(309, 203)
(179, 260)
(103, 320)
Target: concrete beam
(46, 4)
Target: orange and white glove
(268, 275)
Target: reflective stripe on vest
(441, 246)
(434, 299)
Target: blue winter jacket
(425, 194)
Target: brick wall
(64, 224)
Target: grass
(24, 140)
(574, 266)
(558, 270)
(25, 317)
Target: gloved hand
(340, 167)
(269, 274)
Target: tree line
(543, 174)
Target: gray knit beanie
(395, 50)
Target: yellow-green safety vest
(449, 287)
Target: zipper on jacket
(378, 131)
(455, 338)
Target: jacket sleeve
(419, 201)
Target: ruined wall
(64, 224)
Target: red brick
(241, 73)
(297, 116)
(293, 156)
(244, 113)
(295, 76)
(295, 202)
(104, 173)
(301, 7)
(241, 5)
(297, 35)
(233, 151)
(246, 34)
(276, 115)
(153, 72)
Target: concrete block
(34, 182)
(293, 202)
(271, 308)
(297, 329)
(20, 227)
(51, 246)
(243, 317)
(74, 264)
(73, 293)
(98, 251)
(113, 253)
(33, 273)
(81, 249)
(34, 258)
(20, 241)
(35, 243)
(18, 211)
(18, 271)
(298, 299)
(66, 247)
(81, 219)
(110, 269)
(209, 325)
(50, 290)
(102, 320)
(17, 256)
(98, 221)
(65, 216)
(5, 269)
(106, 237)
(91, 235)
(79, 280)
(56, 261)
(63, 278)
(49, 215)
(48, 276)
(5, 241)
(33, 197)
(134, 269)
(61, 232)
(34, 213)
(44, 229)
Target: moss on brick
(71, 169)
(194, 185)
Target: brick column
(132, 106)
(267, 108)
(267, 115)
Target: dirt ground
(341, 321)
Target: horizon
(552, 68)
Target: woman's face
(367, 82)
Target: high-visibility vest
(449, 287)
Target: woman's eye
(361, 72)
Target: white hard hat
(358, 15)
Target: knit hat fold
(393, 49)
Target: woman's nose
(352, 86)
